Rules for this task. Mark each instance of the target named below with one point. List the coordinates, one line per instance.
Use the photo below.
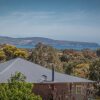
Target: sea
(62, 47)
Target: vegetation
(46, 56)
(94, 70)
(84, 63)
(17, 89)
(98, 52)
(2, 56)
(8, 52)
(79, 63)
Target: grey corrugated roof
(5, 65)
(33, 72)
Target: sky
(74, 20)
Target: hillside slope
(32, 41)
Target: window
(78, 89)
(73, 89)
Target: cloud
(80, 26)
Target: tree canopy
(46, 56)
(17, 89)
(8, 52)
(2, 55)
(94, 70)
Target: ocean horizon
(62, 47)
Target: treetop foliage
(17, 89)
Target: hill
(30, 42)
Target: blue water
(25, 46)
(77, 47)
(61, 47)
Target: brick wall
(59, 91)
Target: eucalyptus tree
(46, 56)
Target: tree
(9, 51)
(69, 67)
(2, 55)
(81, 70)
(98, 52)
(94, 74)
(13, 52)
(64, 58)
(17, 89)
(89, 53)
(18, 77)
(46, 56)
(21, 53)
(94, 70)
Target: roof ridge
(9, 66)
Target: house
(50, 85)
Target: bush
(17, 89)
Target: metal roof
(34, 72)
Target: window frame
(78, 89)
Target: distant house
(50, 85)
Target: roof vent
(44, 78)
